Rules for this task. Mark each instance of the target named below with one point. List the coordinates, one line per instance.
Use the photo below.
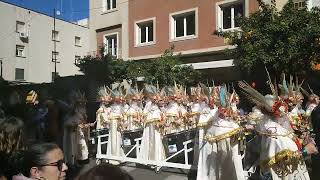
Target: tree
(283, 41)
(163, 70)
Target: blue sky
(71, 10)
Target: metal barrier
(158, 164)
(137, 147)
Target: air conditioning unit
(23, 35)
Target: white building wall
(99, 19)
(37, 63)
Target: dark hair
(11, 134)
(11, 145)
(36, 156)
(106, 172)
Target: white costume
(133, 116)
(151, 145)
(115, 140)
(102, 117)
(174, 117)
(219, 157)
(75, 137)
(279, 153)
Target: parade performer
(199, 108)
(151, 145)
(115, 119)
(220, 158)
(76, 130)
(104, 97)
(280, 155)
(290, 93)
(133, 113)
(175, 112)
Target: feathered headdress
(134, 93)
(200, 92)
(104, 94)
(269, 103)
(77, 97)
(254, 96)
(311, 95)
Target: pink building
(146, 28)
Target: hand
(249, 126)
(311, 148)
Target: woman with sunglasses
(44, 161)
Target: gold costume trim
(203, 124)
(283, 162)
(273, 135)
(214, 139)
(171, 115)
(115, 118)
(193, 113)
(152, 120)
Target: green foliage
(163, 70)
(284, 41)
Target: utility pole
(54, 44)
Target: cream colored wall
(99, 20)
(37, 63)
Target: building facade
(27, 41)
(109, 27)
(144, 29)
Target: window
(19, 74)
(76, 59)
(20, 27)
(77, 41)
(184, 24)
(20, 51)
(145, 32)
(109, 5)
(55, 56)
(111, 44)
(54, 75)
(300, 4)
(227, 14)
(55, 35)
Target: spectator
(11, 146)
(106, 172)
(44, 161)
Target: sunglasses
(58, 164)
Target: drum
(174, 143)
(128, 142)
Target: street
(145, 173)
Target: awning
(212, 64)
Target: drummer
(133, 114)
(175, 112)
(104, 97)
